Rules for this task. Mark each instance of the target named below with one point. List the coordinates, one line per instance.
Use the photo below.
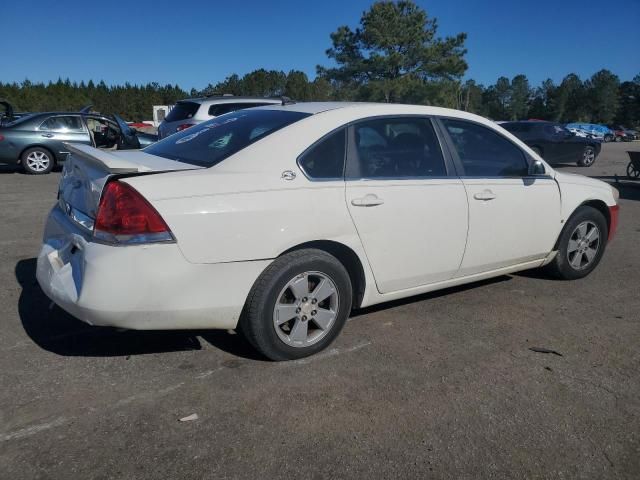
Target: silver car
(192, 111)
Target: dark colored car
(553, 142)
(37, 141)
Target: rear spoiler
(105, 161)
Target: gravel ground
(442, 385)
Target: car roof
(364, 107)
(229, 99)
(85, 114)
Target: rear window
(62, 124)
(182, 111)
(517, 127)
(208, 143)
(222, 108)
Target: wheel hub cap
(38, 161)
(306, 309)
(584, 244)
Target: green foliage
(520, 97)
(602, 95)
(394, 56)
(133, 102)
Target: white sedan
(280, 220)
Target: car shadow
(17, 169)
(56, 331)
(8, 169)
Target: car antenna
(286, 100)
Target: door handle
(485, 195)
(369, 200)
(47, 135)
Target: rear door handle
(47, 135)
(485, 195)
(369, 200)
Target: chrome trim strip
(439, 177)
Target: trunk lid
(87, 170)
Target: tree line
(394, 55)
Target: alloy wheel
(584, 244)
(38, 161)
(589, 156)
(306, 309)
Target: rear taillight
(184, 126)
(614, 212)
(125, 216)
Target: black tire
(588, 157)
(37, 161)
(257, 319)
(561, 266)
(618, 138)
(632, 171)
(608, 138)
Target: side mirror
(537, 168)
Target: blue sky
(192, 43)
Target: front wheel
(298, 305)
(588, 157)
(581, 244)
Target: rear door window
(182, 111)
(402, 147)
(62, 124)
(484, 152)
(208, 143)
(325, 159)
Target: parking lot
(444, 385)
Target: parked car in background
(600, 132)
(192, 111)
(623, 134)
(555, 143)
(279, 220)
(38, 141)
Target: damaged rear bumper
(142, 287)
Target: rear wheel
(608, 138)
(581, 244)
(588, 156)
(298, 305)
(37, 161)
